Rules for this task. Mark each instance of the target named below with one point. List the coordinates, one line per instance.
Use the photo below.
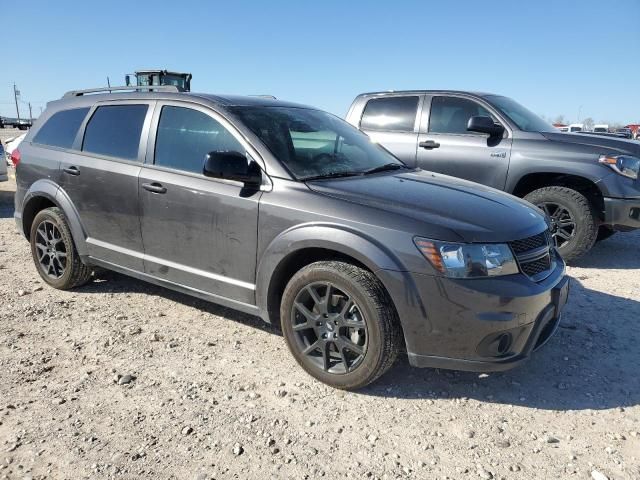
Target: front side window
(523, 118)
(394, 114)
(61, 129)
(115, 131)
(451, 115)
(315, 144)
(185, 136)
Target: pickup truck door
(393, 121)
(445, 145)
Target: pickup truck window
(524, 119)
(391, 114)
(451, 115)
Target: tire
(364, 338)
(50, 233)
(581, 213)
(604, 232)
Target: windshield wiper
(332, 175)
(385, 167)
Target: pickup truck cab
(587, 184)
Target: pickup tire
(340, 324)
(574, 221)
(54, 252)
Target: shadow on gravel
(111, 282)
(6, 204)
(622, 251)
(591, 363)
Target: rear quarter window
(392, 114)
(115, 131)
(61, 128)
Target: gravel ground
(128, 380)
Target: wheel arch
(589, 188)
(45, 194)
(301, 246)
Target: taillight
(15, 157)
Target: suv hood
(474, 213)
(620, 144)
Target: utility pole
(30, 114)
(16, 94)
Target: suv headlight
(468, 260)
(623, 164)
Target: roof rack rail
(272, 97)
(155, 88)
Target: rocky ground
(120, 379)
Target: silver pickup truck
(587, 184)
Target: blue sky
(555, 57)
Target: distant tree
(559, 119)
(588, 123)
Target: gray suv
(588, 185)
(289, 213)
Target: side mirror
(483, 124)
(127, 80)
(232, 166)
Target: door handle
(429, 144)
(72, 170)
(154, 187)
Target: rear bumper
(622, 213)
(477, 325)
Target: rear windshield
(61, 128)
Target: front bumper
(622, 213)
(480, 324)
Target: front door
(102, 180)
(197, 231)
(446, 146)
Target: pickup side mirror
(483, 124)
(230, 165)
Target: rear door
(102, 180)
(392, 121)
(198, 231)
(446, 146)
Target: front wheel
(340, 325)
(574, 224)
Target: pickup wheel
(340, 324)
(574, 223)
(54, 252)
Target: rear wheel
(339, 324)
(54, 252)
(574, 224)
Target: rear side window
(451, 115)
(61, 128)
(115, 131)
(396, 114)
(185, 136)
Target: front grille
(537, 266)
(534, 255)
(531, 243)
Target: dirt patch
(121, 379)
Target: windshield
(315, 144)
(524, 119)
